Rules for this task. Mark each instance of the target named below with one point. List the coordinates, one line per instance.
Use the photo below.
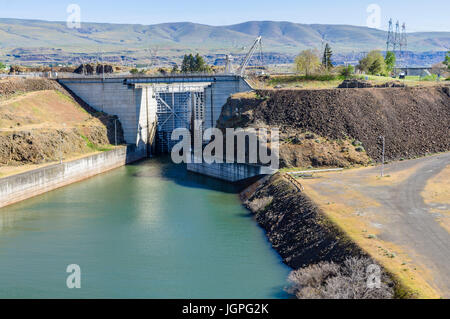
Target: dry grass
(244, 95)
(437, 193)
(344, 208)
(349, 280)
(51, 118)
(49, 109)
(297, 83)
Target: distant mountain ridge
(282, 37)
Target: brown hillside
(39, 120)
(415, 121)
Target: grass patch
(71, 100)
(95, 147)
(277, 80)
(432, 77)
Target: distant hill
(277, 35)
(176, 38)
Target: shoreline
(286, 214)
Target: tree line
(374, 63)
(309, 63)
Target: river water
(150, 230)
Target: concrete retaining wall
(217, 94)
(29, 184)
(133, 101)
(230, 172)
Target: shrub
(373, 63)
(347, 71)
(431, 77)
(259, 204)
(307, 62)
(328, 280)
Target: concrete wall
(29, 184)
(113, 97)
(229, 172)
(146, 108)
(217, 94)
(131, 99)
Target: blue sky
(429, 15)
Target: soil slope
(298, 230)
(39, 121)
(415, 122)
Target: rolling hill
(176, 38)
(277, 35)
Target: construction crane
(256, 44)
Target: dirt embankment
(294, 226)
(346, 124)
(40, 121)
(14, 86)
(298, 230)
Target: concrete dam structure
(150, 108)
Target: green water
(149, 230)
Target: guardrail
(316, 171)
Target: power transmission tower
(403, 39)
(397, 36)
(390, 37)
(395, 39)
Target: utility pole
(60, 149)
(115, 131)
(10, 150)
(103, 67)
(382, 155)
(60, 146)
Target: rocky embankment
(40, 121)
(311, 244)
(294, 226)
(342, 127)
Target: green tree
(347, 71)
(186, 64)
(194, 64)
(373, 63)
(390, 60)
(447, 60)
(200, 64)
(376, 67)
(175, 69)
(326, 59)
(307, 62)
(2, 66)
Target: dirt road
(394, 208)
